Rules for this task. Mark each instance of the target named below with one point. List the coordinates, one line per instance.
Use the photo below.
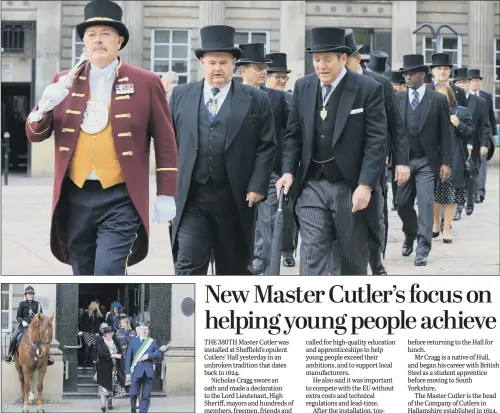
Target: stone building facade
(164, 35)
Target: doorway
(16, 100)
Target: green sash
(144, 346)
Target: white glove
(52, 96)
(25, 324)
(484, 151)
(164, 209)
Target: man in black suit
(478, 108)
(441, 69)
(337, 132)
(475, 89)
(397, 144)
(398, 81)
(253, 67)
(226, 145)
(426, 116)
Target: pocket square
(354, 111)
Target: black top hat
(328, 39)
(397, 77)
(377, 62)
(428, 77)
(252, 53)
(350, 42)
(103, 13)
(217, 38)
(278, 63)
(441, 59)
(413, 63)
(461, 74)
(475, 74)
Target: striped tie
(212, 102)
(414, 101)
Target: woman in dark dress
(89, 327)
(109, 366)
(452, 192)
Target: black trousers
(101, 227)
(211, 220)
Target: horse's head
(43, 326)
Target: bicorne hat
(441, 59)
(217, 38)
(475, 74)
(252, 53)
(278, 63)
(103, 13)
(328, 39)
(460, 74)
(377, 62)
(350, 42)
(413, 63)
(397, 77)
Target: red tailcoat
(146, 116)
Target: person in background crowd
(475, 89)
(427, 123)
(397, 147)
(428, 80)
(170, 80)
(253, 66)
(110, 372)
(112, 317)
(125, 333)
(452, 192)
(89, 327)
(398, 81)
(226, 138)
(478, 108)
(335, 147)
(441, 68)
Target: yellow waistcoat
(96, 152)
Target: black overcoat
(463, 133)
(104, 365)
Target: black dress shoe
(457, 216)
(447, 241)
(133, 411)
(50, 362)
(289, 262)
(407, 248)
(477, 200)
(469, 209)
(8, 359)
(257, 270)
(420, 260)
(380, 270)
(435, 234)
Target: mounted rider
(26, 311)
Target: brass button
(322, 136)
(322, 165)
(210, 158)
(94, 137)
(211, 137)
(211, 128)
(209, 147)
(94, 146)
(94, 155)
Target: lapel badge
(130, 88)
(119, 89)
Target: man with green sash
(139, 368)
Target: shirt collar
(420, 90)
(339, 78)
(360, 70)
(107, 71)
(207, 89)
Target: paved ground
(158, 405)
(26, 206)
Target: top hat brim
(235, 51)
(459, 78)
(387, 69)
(115, 24)
(278, 70)
(244, 61)
(439, 65)
(329, 49)
(476, 77)
(360, 46)
(421, 68)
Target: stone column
(179, 360)
(48, 63)
(481, 37)
(404, 21)
(210, 13)
(292, 38)
(133, 18)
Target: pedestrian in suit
(427, 122)
(253, 68)
(337, 131)
(142, 352)
(475, 89)
(102, 132)
(479, 110)
(397, 146)
(441, 68)
(226, 141)
(398, 81)
(428, 80)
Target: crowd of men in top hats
(226, 150)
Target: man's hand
(402, 174)
(144, 358)
(25, 324)
(484, 151)
(253, 198)
(361, 198)
(445, 172)
(286, 182)
(116, 356)
(454, 120)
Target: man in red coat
(103, 116)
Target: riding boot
(103, 402)
(110, 403)
(50, 361)
(12, 347)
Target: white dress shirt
(207, 93)
(420, 91)
(334, 85)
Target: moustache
(99, 47)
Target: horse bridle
(39, 351)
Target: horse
(32, 355)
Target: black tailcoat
(249, 151)
(482, 129)
(491, 110)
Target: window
(448, 44)
(13, 37)
(77, 48)
(245, 36)
(171, 50)
(496, 75)
(6, 308)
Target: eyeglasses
(280, 77)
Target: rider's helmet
(29, 290)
